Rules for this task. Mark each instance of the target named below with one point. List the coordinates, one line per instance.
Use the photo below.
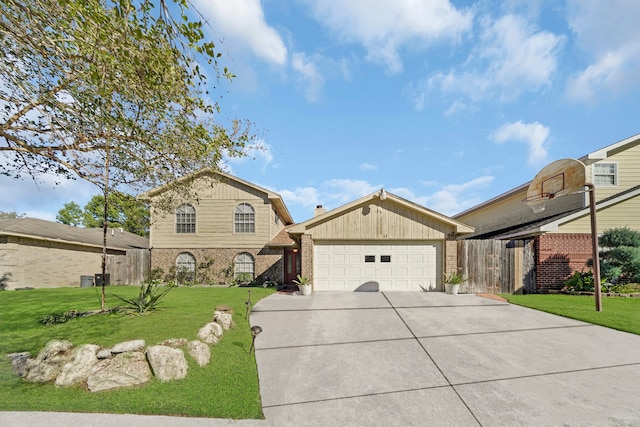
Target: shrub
(148, 299)
(621, 258)
(582, 282)
(57, 318)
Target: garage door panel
(394, 266)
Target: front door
(291, 265)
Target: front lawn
(226, 388)
(617, 312)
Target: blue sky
(445, 103)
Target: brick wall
(451, 257)
(558, 256)
(269, 264)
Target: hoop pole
(594, 246)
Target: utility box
(100, 280)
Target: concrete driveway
(390, 359)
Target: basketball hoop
(538, 202)
(561, 178)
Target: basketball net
(537, 203)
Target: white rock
(200, 352)
(124, 370)
(134, 345)
(78, 368)
(167, 363)
(210, 333)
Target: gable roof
(553, 222)
(273, 197)
(384, 195)
(55, 232)
(587, 159)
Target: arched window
(185, 267)
(243, 267)
(244, 218)
(185, 219)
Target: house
(562, 232)
(223, 229)
(379, 242)
(41, 254)
(234, 228)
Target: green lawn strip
(617, 312)
(226, 388)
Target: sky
(445, 103)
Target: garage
(380, 242)
(398, 266)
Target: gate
(497, 266)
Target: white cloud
(343, 191)
(383, 27)
(534, 135)
(310, 77)
(305, 196)
(607, 31)
(367, 167)
(510, 57)
(43, 199)
(243, 24)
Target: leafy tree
(123, 211)
(110, 91)
(11, 215)
(620, 259)
(70, 214)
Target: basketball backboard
(557, 179)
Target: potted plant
(452, 282)
(304, 284)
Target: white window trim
(234, 219)
(616, 175)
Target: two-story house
(224, 228)
(562, 232)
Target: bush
(57, 318)
(148, 299)
(621, 258)
(582, 282)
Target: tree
(11, 215)
(124, 211)
(110, 91)
(70, 214)
(620, 259)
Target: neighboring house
(562, 233)
(226, 229)
(379, 242)
(41, 254)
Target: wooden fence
(129, 269)
(497, 266)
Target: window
(605, 174)
(186, 219)
(369, 258)
(185, 267)
(243, 267)
(244, 218)
(385, 258)
(276, 217)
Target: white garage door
(364, 266)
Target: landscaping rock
(77, 370)
(21, 363)
(210, 333)
(200, 352)
(123, 347)
(224, 319)
(105, 353)
(167, 363)
(124, 370)
(49, 362)
(174, 342)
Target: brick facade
(269, 264)
(451, 256)
(558, 256)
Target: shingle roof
(47, 230)
(282, 239)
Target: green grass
(226, 388)
(617, 313)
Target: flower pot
(455, 288)
(305, 289)
(447, 288)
